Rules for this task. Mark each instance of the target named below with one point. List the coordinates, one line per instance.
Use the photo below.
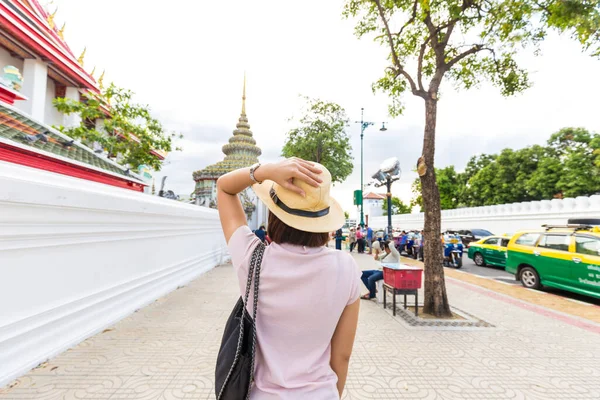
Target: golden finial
(93, 71)
(61, 32)
(244, 96)
(51, 19)
(101, 79)
(80, 59)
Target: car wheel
(478, 259)
(530, 278)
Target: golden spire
(93, 71)
(61, 32)
(80, 59)
(51, 19)
(101, 79)
(244, 97)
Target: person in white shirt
(389, 254)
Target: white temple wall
(77, 256)
(7, 59)
(35, 81)
(504, 218)
(51, 115)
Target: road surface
(498, 274)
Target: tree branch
(411, 20)
(420, 64)
(399, 68)
(433, 35)
(475, 49)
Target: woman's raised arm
(229, 185)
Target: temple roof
(240, 152)
(17, 128)
(27, 30)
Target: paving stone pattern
(167, 351)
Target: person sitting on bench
(370, 277)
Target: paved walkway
(168, 349)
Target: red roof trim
(45, 48)
(20, 156)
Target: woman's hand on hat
(285, 171)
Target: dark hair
(386, 245)
(281, 233)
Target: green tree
(321, 137)
(475, 164)
(129, 129)
(398, 206)
(467, 42)
(577, 150)
(346, 215)
(450, 187)
(417, 194)
(448, 181)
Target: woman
(308, 297)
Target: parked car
(564, 257)
(489, 251)
(472, 235)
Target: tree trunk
(436, 299)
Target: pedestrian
(360, 239)
(308, 305)
(352, 239)
(389, 254)
(369, 238)
(339, 237)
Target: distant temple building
(240, 152)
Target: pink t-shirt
(302, 294)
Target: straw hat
(318, 212)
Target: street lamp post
(389, 173)
(364, 125)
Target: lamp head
(391, 166)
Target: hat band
(294, 211)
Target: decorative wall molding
(505, 218)
(77, 256)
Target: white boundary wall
(77, 256)
(504, 218)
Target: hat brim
(333, 221)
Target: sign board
(357, 197)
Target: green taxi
(489, 251)
(563, 257)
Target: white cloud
(187, 58)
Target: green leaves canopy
(128, 129)
(468, 41)
(321, 137)
(569, 166)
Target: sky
(186, 59)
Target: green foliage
(128, 130)
(398, 207)
(467, 41)
(569, 166)
(346, 215)
(321, 137)
(449, 184)
(417, 199)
